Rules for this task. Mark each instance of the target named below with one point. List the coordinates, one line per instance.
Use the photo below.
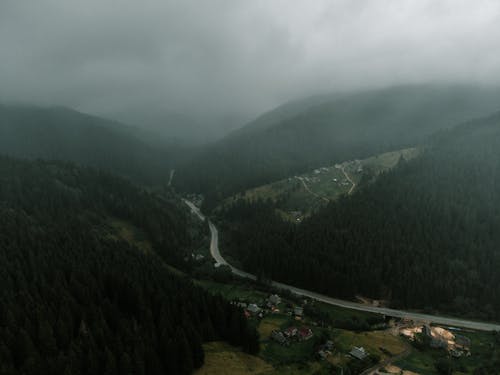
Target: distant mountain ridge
(341, 128)
(65, 134)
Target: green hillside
(423, 235)
(64, 134)
(349, 127)
(300, 196)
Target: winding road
(425, 318)
(350, 180)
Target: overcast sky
(216, 56)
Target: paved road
(454, 322)
(195, 210)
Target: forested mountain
(424, 235)
(342, 128)
(77, 299)
(64, 134)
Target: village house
(325, 350)
(305, 333)
(291, 332)
(358, 353)
(329, 345)
(253, 308)
(298, 312)
(274, 299)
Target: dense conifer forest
(424, 235)
(77, 299)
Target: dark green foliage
(328, 131)
(425, 234)
(64, 134)
(75, 299)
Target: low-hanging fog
(226, 61)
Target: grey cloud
(216, 57)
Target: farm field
(301, 357)
(299, 196)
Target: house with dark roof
(305, 333)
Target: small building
(275, 299)
(278, 337)
(358, 353)
(462, 342)
(305, 333)
(298, 311)
(253, 308)
(291, 331)
(329, 345)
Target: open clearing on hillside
(299, 196)
(223, 359)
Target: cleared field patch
(373, 342)
(223, 359)
(297, 352)
(270, 323)
(419, 362)
(389, 160)
(131, 234)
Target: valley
(307, 239)
(386, 345)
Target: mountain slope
(77, 299)
(345, 128)
(64, 134)
(424, 235)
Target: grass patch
(422, 361)
(131, 234)
(297, 352)
(223, 359)
(272, 322)
(372, 341)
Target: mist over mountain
(58, 133)
(249, 187)
(210, 60)
(324, 131)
